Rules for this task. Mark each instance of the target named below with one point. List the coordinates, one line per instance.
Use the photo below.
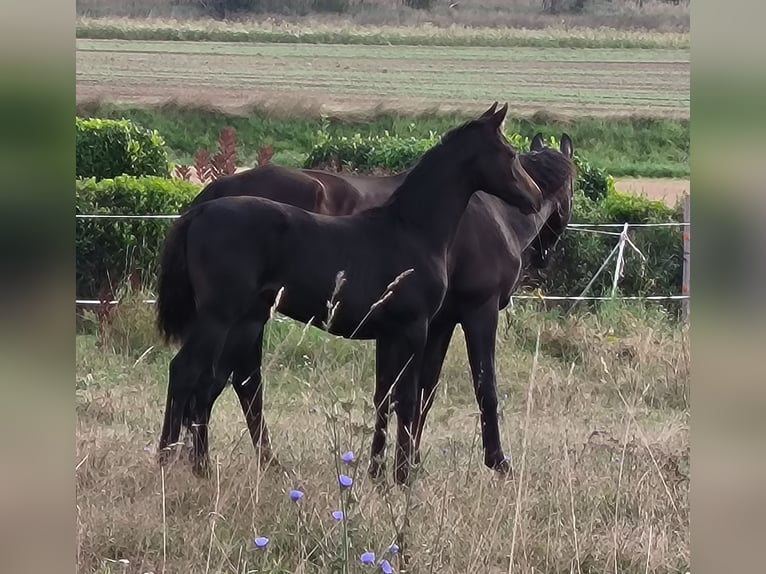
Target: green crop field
(593, 81)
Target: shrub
(109, 251)
(336, 6)
(109, 148)
(579, 254)
(221, 9)
(418, 4)
(387, 153)
(127, 328)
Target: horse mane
(424, 163)
(550, 169)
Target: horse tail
(176, 308)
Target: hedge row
(108, 250)
(387, 153)
(579, 254)
(110, 148)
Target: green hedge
(387, 153)
(579, 254)
(107, 250)
(109, 148)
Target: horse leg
(392, 354)
(248, 384)
(382, 402)
(439, 336)
(400, 357)
(213, 382)
(196, 356)
(480, 326)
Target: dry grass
(345, 31)
(625, 14)
(598, 433)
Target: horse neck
(431, 200)
(527, 227)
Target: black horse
(491, 274)
(226, 262)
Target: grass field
(345, 78)
(597, 424)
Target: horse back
(277, 183)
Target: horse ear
(566, 146)
(498, 119)
(538, 143)
(489, 112)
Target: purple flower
(345, 481)
(348, 457)
(368, 558)
(296, 495)
(385, 565)
(394, 548)
(338, 515)
(261, 542)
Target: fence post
(685, 287)
(618, 265)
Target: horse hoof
(377, 470)
(500, 464)
(268, 458)
(402, 475)
(164, 455)
(201, 471)
(200, 466)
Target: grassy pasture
(596, 423)
(344, 78)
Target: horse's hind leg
(248, 384)
(398, 366)
(198, 354)
(247, 379)
(213, 382)
(480, 326)
(439, 336)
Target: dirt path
(663, 189)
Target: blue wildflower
(338, 515)
(385, 565)
(394, 548)
(261, 542)
(348, 457)
(345, 481)
(296, 495)
(368, 558)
